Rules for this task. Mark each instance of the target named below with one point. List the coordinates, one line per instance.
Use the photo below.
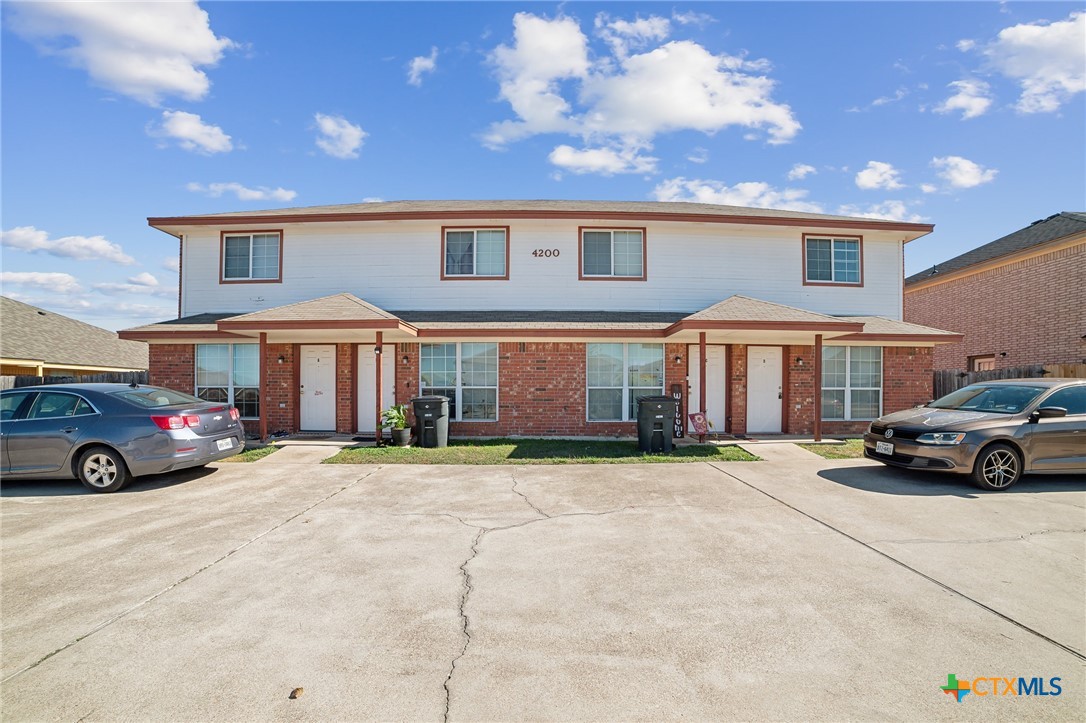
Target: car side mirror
(1047, 412)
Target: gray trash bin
(431, 421)
(655, 423)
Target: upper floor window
(475, 253)
(613, 254)
(253, 256)
(833, 260)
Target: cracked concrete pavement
(793, 588)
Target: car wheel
(997, 468)
(102, 469)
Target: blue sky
(966, 115)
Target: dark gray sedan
(994, 431)
(106, 434)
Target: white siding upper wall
(397, 265)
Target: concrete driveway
(792, 588)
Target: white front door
(715, 386)
(318, 388)
(764, 389)
(367, 384)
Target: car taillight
(176, 422)
(234, 413)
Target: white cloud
(172, 263)
(966, 45)
(752, 194)
(191, 133)
(144, 50)
(801, 171)
(899, 94)
(51, 281)
(928, 187)
(887, 211)
(87, 248)
(622, 35)
(972, 98)
(142, 284)
(338, 137)
(624, 101)
(698, 155)
(879, 175)
(243, 193)
(421, 64)
(373, 199)
(604, 161)
(960, 172)
(1048, 60)
(692, 18)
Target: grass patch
(850, 449)
(536, 451)
(252, 455)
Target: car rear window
(153, 397)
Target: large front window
(851, 382)
(476, 253)
(617, 374)
(230, 374)
(250, 257)
(466, 373)
(833, 260)
(613, 253)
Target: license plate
(884, 448)
(229, 442)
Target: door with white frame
(715, 386)
(317, 393)
(367, 384)
(765, 389)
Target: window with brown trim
(252, 256)
(983, 363)
(833, 260)
(474, 252)
(612, 253)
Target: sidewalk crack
(513, 474)
(465, 622)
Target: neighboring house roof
(662, 210)
(33, 334)
(1055, 227)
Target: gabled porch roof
(339, 317)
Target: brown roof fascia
(537, 332)
(134, 335)
(157, 221)
(711, 324)
(295, 325)
(937, 338)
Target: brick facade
(542, 387)
(1031, 309)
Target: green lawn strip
(536, 451)
(849, 449)
(252, 455)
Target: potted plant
(395, 418)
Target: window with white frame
(617, 374)
(250, 257)
(851, 382)
(477, 253)
(230, 374)
(832, 260)
(466, 373)
(617, 253)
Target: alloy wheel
(100, 470)
(1000, 468)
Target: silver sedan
(106, 434)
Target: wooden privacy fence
(945, 381)
(26, 380)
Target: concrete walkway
(778, 590)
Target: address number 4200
(546, 253)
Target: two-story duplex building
(543, 318)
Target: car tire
(102, 469)
(997, 467)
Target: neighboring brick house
(544, 318)
(36, 342)
(1019, 300)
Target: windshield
(1003, 399)
(152, 397)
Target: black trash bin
(655, 423)
(431, 421)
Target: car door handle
(69, 430)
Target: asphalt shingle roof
(1054, 227)
(337, 307)
(27, 332)
(744, 308)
